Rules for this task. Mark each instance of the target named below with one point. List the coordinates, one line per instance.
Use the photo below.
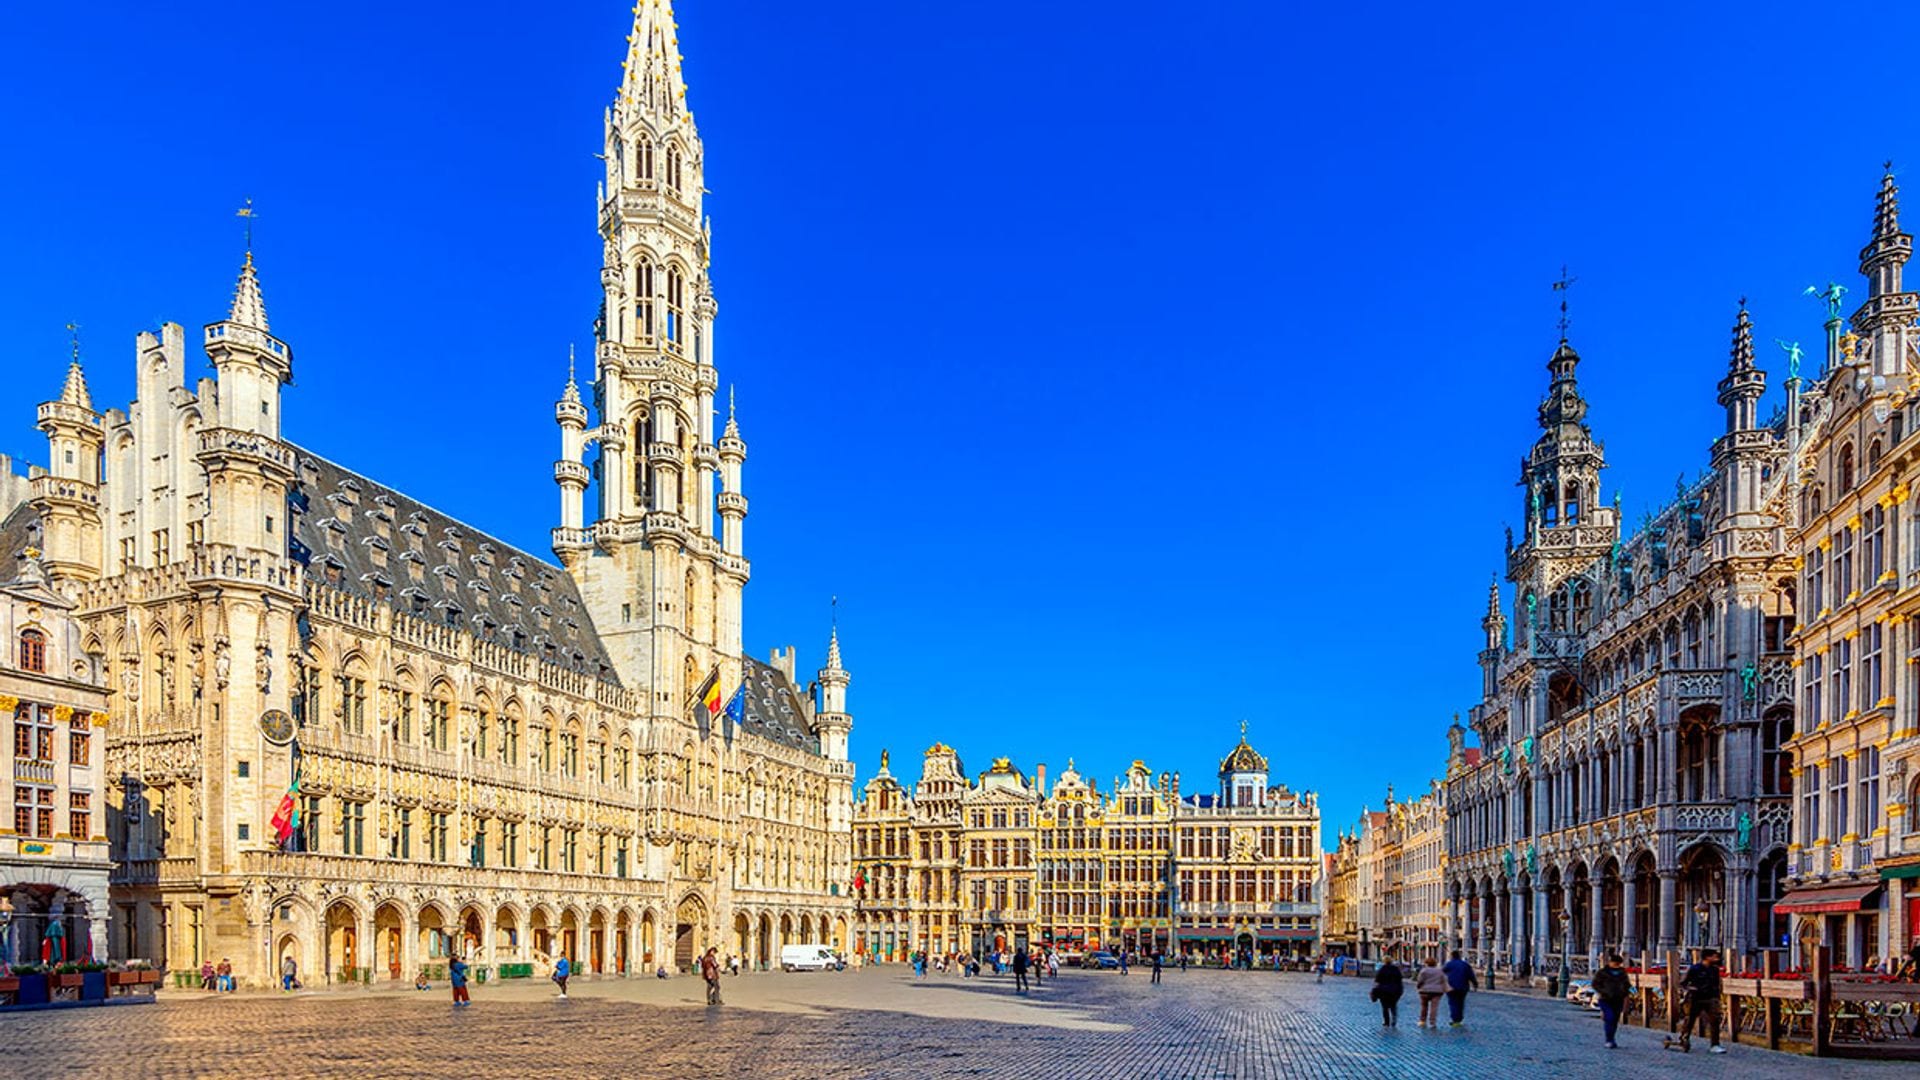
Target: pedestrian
(224, 975)
(562, 968)
(1020, 962)
(1123, 961)
(1320, 970)
(1460, 979)
(1156, 967)
(1183, 959)
(1040, 968)
(1702, 987)
(287, 972)
(1388, 984)
(710, 971)
(1430, 982)
(1053, 965)
(1610, 989)
(206, 976)
(457, 977)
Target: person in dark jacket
(457, 978)
(1020, 971)
(1611, 988)
(1702, 986)
(1388, 984)
(1460, 979)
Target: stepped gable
(369, 540)
(775, 710)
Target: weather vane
(73, 329)
(1563, 287)
(247, 213)
(1830, 296)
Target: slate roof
(18, 531)
(367, 539)
(774, 708)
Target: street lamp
(1702, 917)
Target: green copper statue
(1743, 831)
(1794, 353)
(1749, 682)
(1829, 296)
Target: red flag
(285, 818)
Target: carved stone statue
(222, 662)
(263, 668)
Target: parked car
(810, 958)
(1101, 959)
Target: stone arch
(344, 953)
(623, 928)
(389, 952)
(691, 931)
(435, 929)
(507, 940)
(764, 954)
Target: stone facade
(1623, 798)
(53, 850)
(495, 755)
(1387, 888)
(1853, 868)
(1007, 862)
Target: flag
(710, 693)
(859, 880)
(286, 819)
(737, 705)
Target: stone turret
(68, 497)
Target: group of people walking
(1612, 988)
(1432, 980)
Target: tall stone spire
(651, 72)
(1740, 391)
(1889, 311)
(75, 391)
(249, 309)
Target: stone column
(1597, 925)
(1630, 931)
(1667, 883)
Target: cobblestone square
(874, 1023)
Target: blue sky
(1127, 370)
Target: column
(1630, 915)
(1541, 914)
(1597, 927)
(1667, 938)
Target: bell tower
(659, 572)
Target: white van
(809, 958)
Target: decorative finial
(569, 361)
(729, 401)
(1563, 287)
(247, 213)
(1243, 729)
(73, 330)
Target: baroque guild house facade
(483, 752)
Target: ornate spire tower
(1889, 310)
(663, 581)
(1744, 450)
(68, 497)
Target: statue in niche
(263, 668)
(1743, 833)
(222, 662)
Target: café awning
(1286, 934)
(1832, 898)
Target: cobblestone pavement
(876, 1023)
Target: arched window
(1582, 605)
(643, 158)
(642, 475)
(687, 600)
(1699, 763)
(643, 296)
(673, 167)
(1772, 885)
(1549, 507)
(676, 308)
(1776, 762)
(1845, 477)
(33, 651)
(1557, 611)
(1573, 504)
(1873, 454)
(1691, 631)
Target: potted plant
(93, 980)
(32, 988)
(66, 976)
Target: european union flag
(737, 705)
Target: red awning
(1831, 898)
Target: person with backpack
(457, 977)
(1611, 988)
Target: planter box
(68, 982)
(32, 990)
(93, 986)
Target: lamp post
(1703, 918)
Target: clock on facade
(277, 726)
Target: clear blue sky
(1127, 369)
